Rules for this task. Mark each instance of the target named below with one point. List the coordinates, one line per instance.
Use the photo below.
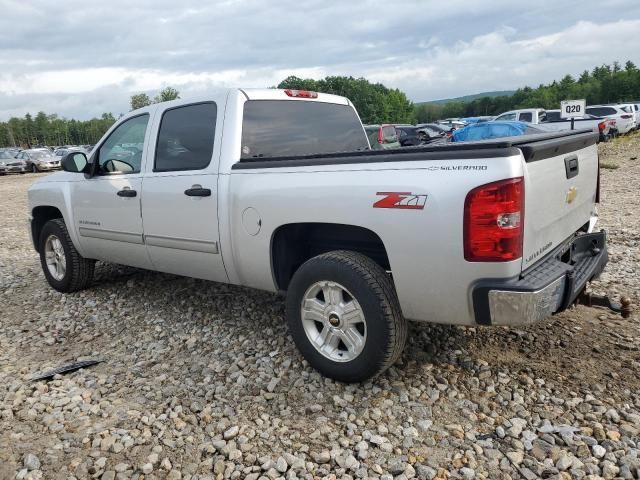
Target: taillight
(626, 116)
(301, 93)
(602, 126)
(494, 221)
(380, 136)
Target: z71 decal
(402, 200)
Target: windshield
(40, 155)
(5, 155)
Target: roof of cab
(278, 94)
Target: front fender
(56, 194)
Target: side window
(122, 151)
(185, 139)
(507, 117)
(526, 117)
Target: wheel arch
(294, 243)
(40, 215)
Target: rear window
(601, 111)
(275, 128)
(389, 133)
(553, 116)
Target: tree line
(604, 84)
(44, 129)
(374, 102)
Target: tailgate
(560, 191)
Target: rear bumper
(549, 287)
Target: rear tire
(344, 316)
(64, 268)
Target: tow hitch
(592, 300)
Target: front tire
(34, 169)
(64, 268)
(344, 316)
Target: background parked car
(10, 164)
(451, 123)
(605, 125)
(494, 129)
(39, 160)
(382, 137)
(624, 120)
(636, 109)
(435, 130)
(5, 157)
(409, 136)
(630, 108)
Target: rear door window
(275, 128)
(526, 117)
(185, 138)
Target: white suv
(625, 121)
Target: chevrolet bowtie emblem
(572, 194)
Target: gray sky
(79, 58)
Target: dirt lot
(201, 380)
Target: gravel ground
(201, 380)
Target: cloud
(82, 57)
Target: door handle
(127, 192)
(571, 166)
(198, 191)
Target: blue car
(488, 130)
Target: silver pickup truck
(279, 190)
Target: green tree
(374, 102)
(166, 94)
(139, 100)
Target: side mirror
(75, 162)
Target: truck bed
(533, 147)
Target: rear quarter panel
(425, 246)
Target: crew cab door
(179, 192)
(106, 206)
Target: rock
(467, 473)
(147, 468)
(609, 469)
(231, 432)
(564, 462)
(516, 457)
(281, 465)
(426, 472)
(396, 468)
(613, 435)
(31, 462)
(322, 457)
(108, 475)
(598, 451)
